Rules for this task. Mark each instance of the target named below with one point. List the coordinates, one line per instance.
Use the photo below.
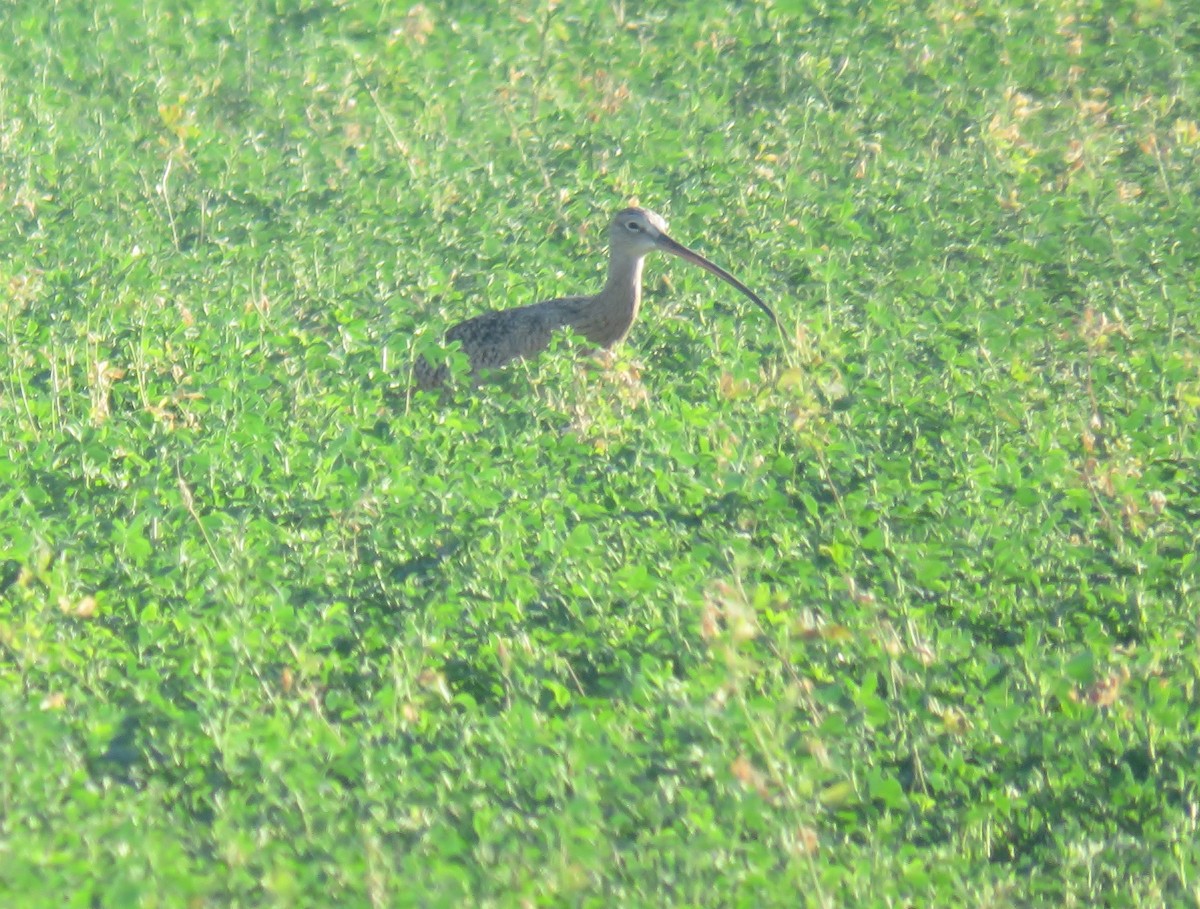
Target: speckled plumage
(495, 338)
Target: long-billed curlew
(495, 338)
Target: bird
(493, 339)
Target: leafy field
(899, 611)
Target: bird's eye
(633, 225)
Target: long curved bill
(666, 244)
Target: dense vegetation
(901, 610)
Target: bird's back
(494, 338)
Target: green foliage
(902, 612)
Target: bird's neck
(623, 288)
(606, 318)
(624, 274)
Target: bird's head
(638, 231)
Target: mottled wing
(493, 339)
